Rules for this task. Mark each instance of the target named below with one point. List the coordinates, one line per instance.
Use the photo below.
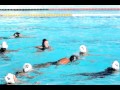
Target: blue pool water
(100, 34)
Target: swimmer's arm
(42, 65)
(1, 37)
(12, 50)
(38, 47)
(50, 48)
(27, 37)
(5, 38)
(30, 77)
(12, 37)
(36, 72)
(98, 55)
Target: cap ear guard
(115, 65)
(27, 67)
(83, 48)
(9, 78)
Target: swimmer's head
(44, 40)
(4, 45)
(73, 58)
(16, 34)
(9, 78)
(83, 49)
(115, 65)
(27, 67)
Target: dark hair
(2, 49)
(73, 58)
(17, 33)
(23, 70)
(110, 69)
(43, 42)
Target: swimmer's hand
(50, 48)
(12, 36)
(27, 37)
(36, 72)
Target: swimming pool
(65, 34)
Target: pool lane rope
(38, 15)
(57, 15)
(36, 9)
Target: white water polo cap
(115, 65)
(4, 45)
(27, 67)
(83, 48)
(9, 78)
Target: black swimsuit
(102, 74)
(43, 47)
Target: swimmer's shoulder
(110, 69)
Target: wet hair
(2, 49)
(43, 42)
(73, 58)
(23, 70)
(81, 53)
(17, 33)
(110, 69)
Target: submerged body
(15, 35)
(24, 72)
(4, 50)
(110, 70)
(101, 74)
(62, 61)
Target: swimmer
(62, 61)
(3, 48)
(17, 35)
(83, 50)
(10, 79)
(45, 45)
(26, 68)
(110, 70)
